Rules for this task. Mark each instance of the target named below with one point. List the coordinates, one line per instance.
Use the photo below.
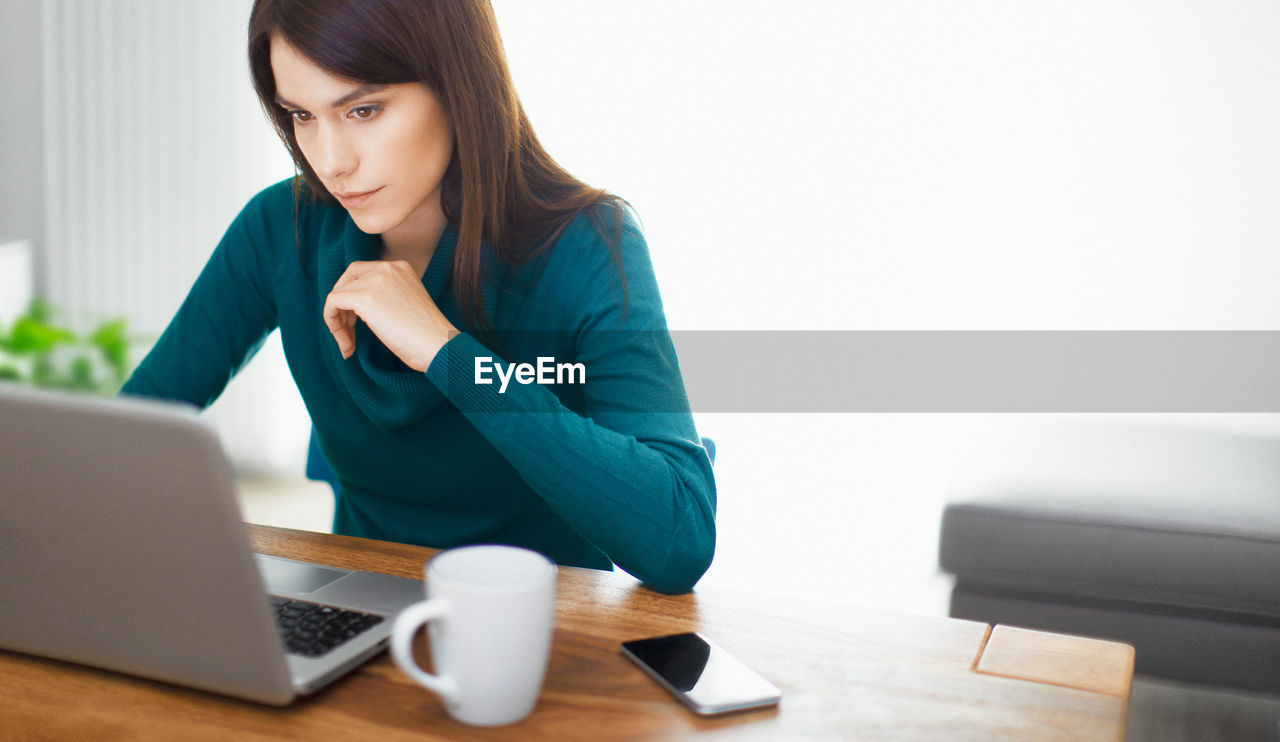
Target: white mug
(490, 611)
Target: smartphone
(703, 676)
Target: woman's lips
(354, 199)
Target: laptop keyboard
(312, 630)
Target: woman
(430, 245)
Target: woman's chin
(366, 223)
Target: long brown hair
(501, 187)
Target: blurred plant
(39, 352)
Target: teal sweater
(591, 474)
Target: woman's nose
(334, 156)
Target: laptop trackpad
(289, 577)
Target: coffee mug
(489, 610)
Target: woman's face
(381, 150)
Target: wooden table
(845, 673)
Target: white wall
(992, 164)
(153, 142)
(16, 279)
(21, 156)
(903, 165)
(926, 165)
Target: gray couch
(1165, 539)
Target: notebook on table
(122, 547)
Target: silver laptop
(122, 547)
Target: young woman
(430, 245)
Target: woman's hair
(500, 186)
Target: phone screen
(702, 675)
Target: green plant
(37, 351)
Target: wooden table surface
(845, 673)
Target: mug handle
(402, 632)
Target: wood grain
(1071, 661)
(844, 673)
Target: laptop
(122, 547)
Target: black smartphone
(703, 676)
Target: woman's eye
(301, 117)
(365, 112)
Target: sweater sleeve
(226, 315)
(631, 476)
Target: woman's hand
(392, 301)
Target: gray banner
(981, 371)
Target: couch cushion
(1143, 514)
